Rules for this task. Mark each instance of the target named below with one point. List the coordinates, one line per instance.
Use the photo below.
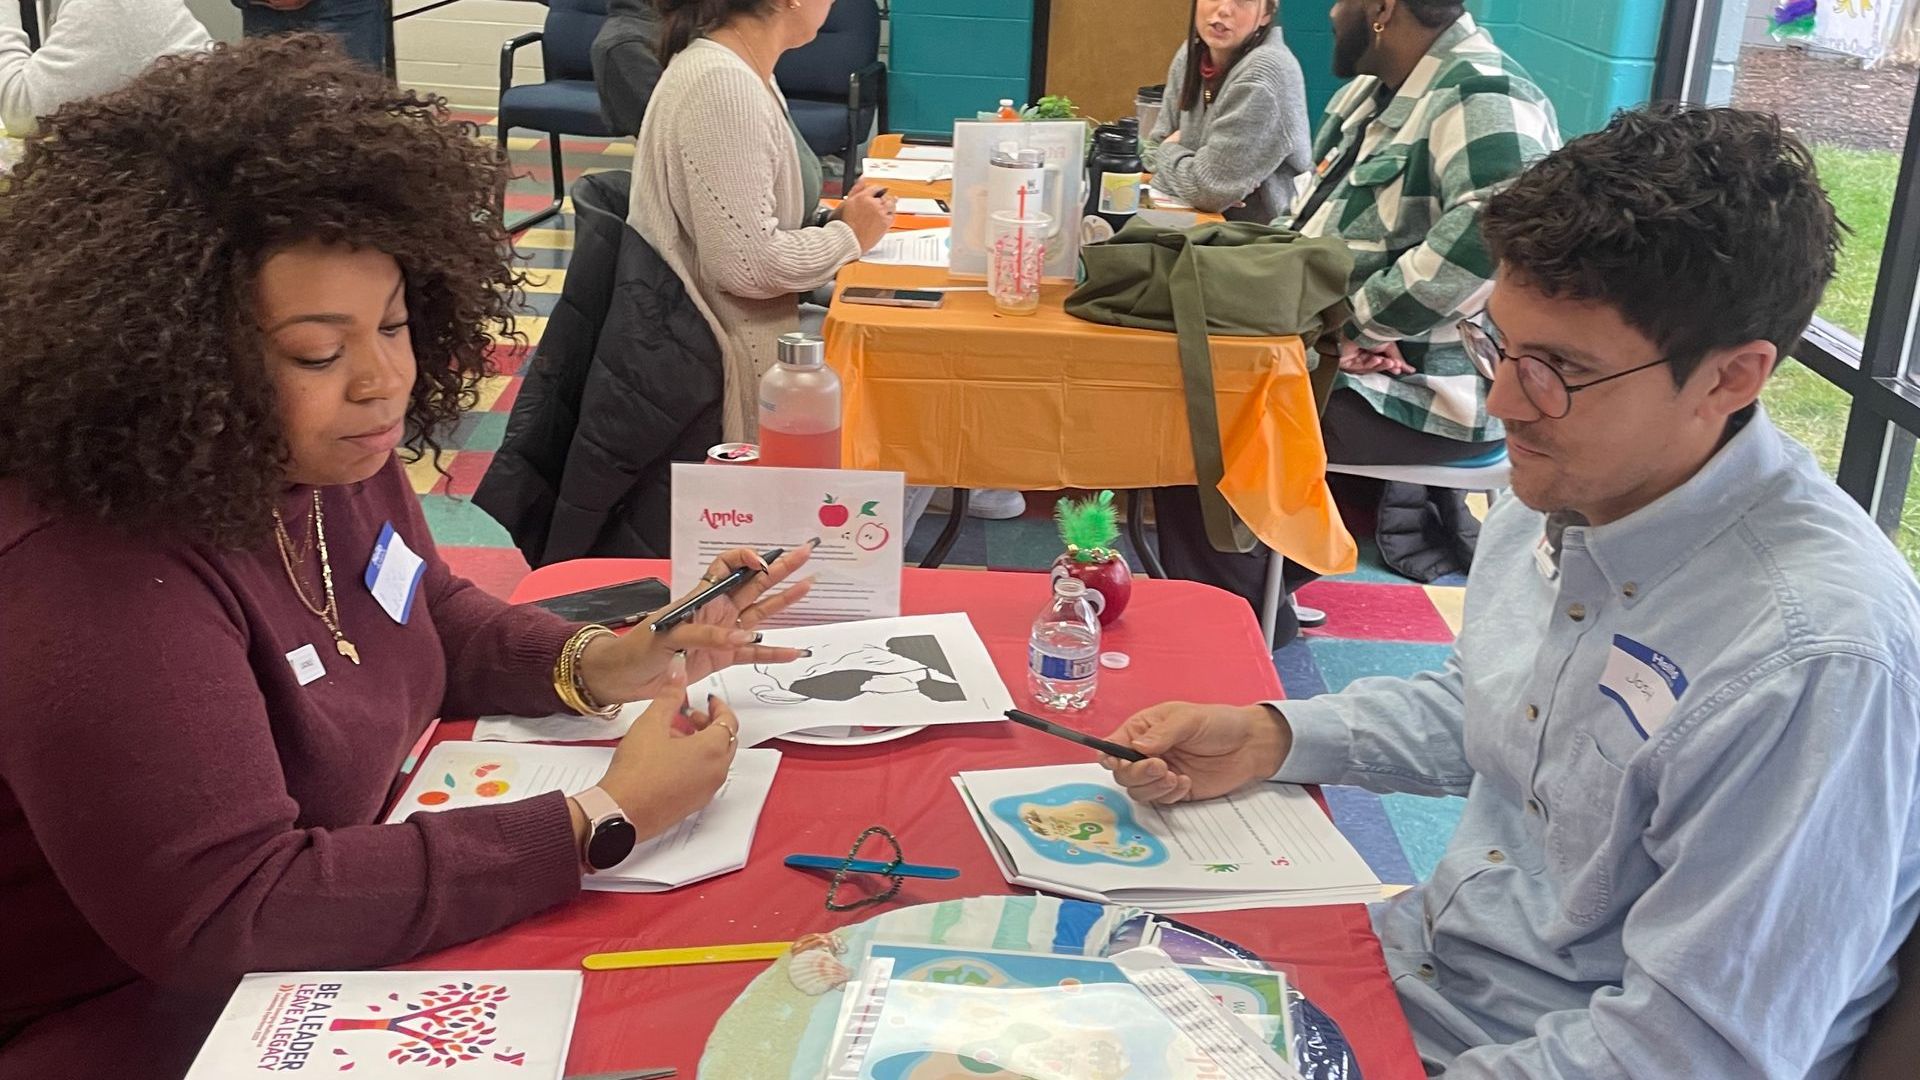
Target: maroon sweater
(177, 810)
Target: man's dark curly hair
(132, 380)
(1705, 228)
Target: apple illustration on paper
(833, 515)
(871, 535)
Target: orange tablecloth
(1186, 640)
(961, 396)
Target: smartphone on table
(913, 298)
(611, 605)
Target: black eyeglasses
(1546, 389)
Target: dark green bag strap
(1225, 530)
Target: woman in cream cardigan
(723, 190)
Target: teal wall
(1590, 56)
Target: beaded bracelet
(840, 875)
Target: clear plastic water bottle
(1063, 655)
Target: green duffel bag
(1236, 278)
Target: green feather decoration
(1088, 527)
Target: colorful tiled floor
(1378, 623)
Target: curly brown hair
(1705, 227)
(131, 233)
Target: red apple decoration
(1107, 575)
(1089, 528)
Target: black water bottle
(1114, 174)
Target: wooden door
(1100, 51)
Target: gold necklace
(329, 613)
(747, 45)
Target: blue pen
(868, 866)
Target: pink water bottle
(800, 407)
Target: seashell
(814, 967)
(816, 970)
(829, 942)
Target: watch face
(611, 843)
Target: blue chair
(836, 85)
(566, 103)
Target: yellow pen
(706, 954)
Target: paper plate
(849, 736)
(772, 1031)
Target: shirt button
(1533, 807)
(1427, 972)
(1576, 612)
(1630, 590)
(1496, 856)
(1533, 713)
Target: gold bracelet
(568, 683)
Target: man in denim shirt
(1683, 708)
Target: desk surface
(1186, 640)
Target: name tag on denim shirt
(1644, 682)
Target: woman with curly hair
(230, 291)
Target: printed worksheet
(875, 673)
(857, 515)
(1071, 829)
(462, 774)
(913, 247)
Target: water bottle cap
(1066, 586)
(802, 350)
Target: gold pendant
(347, 650)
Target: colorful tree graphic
(451, 1023)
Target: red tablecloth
(1186, 640)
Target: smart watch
(610, 836)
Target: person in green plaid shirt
(1437, 120)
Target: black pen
(691, 606)
(1111, 749)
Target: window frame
(1877, 372)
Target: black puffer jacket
(626, 380)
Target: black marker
(1111, 749)
(691, 606)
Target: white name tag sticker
(306, 664)
(1644, 682)
(393, 574)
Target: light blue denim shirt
(1691, 752)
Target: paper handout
(913, 247)
(501, 1024)
(908, 169)
(859, 517)
(1071, 830)
(921, 669)
(714, 841)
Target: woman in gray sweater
(1234, 132)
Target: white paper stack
(396, 1024)
(712, 842)
(923, 172)
(1071, 830)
